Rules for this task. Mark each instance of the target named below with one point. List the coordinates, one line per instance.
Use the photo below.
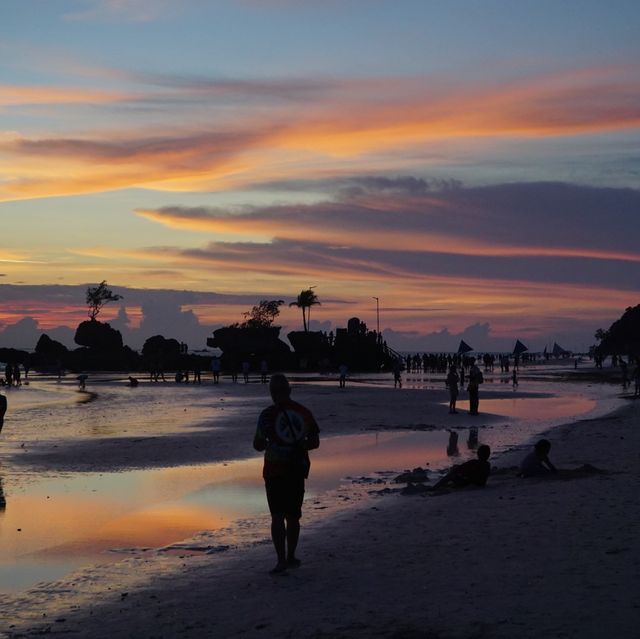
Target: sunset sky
(474, 164)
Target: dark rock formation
(312, 348)
(48, 349)
(160, 354)
(98, 335)
(240, 344)
(102, 349)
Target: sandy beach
(553, 557)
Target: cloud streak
(529, 220)
(357, 123)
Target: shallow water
(53, 524)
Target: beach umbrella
(464, 348)
(519, 348)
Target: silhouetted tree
(623, 336)
(305, 300)
(98, 296)
(263, 314)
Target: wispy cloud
(18, 95)
(343, 128)
(512, 220)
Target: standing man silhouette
(286, 432)
(3, 409)
(475, 379)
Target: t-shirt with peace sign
(284, 428)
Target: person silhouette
(8, 374)
(475, 379)
(343, 370)
(286, 431)
(475, 472)
(537, 462)
(397, 373)
(452, 383)
(3, 409)
(215, 369)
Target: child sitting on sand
(537, 462)
(475, 472)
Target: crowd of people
(13, 375)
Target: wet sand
(526, 558)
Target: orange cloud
(317, 135)
(19, 95)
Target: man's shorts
(285, 495)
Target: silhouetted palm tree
(306, 299)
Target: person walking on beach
(246, 367)
(286, 431)
(215, 369)
(452, 383)
(397, 373)
(17, 375)
(342, 371)
(475, 379)
(264, 371)
(8, 374)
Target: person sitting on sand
(475, 472)
(133, 382)
(537, 462)
(286, 432)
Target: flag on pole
(464, 348)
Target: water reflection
(452, 445)
(472, 440)
(72, 520)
